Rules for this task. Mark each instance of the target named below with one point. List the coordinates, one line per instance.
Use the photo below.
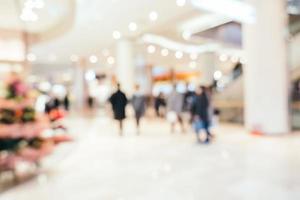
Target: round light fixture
(31, 57)
(93, 59)
(111, 60)
(151, 49)
(164, 52)
(178, 54)
(153, 16)
(132, 26)
(117, 35)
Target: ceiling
(49, 16)
(96, 20)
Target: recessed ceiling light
(111, 60)
(132, 26)
(153, 16)
(151, 49)
(31, 57)
(223, 58)
(117, 35)
(74, 58)
(93, 59)
(164, 52)
(178, 54)
(218, 75)
(180, 3)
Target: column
(207, 68)
(266, 71)
(80, 89)
(125, 71)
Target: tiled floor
(160, 166)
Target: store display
(25, 135)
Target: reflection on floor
(157, 165)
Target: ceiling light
(164, 52)
(93, 59)
(223, 58)
(117, 35)
(90, 75)
(153, 16)
(178, 54)
(151, 49)
(74, 58)
(178, 46)
(111, 60)
(31, 57)
(132, 26)
(194, 56)
(180, 3)
(28, 15)
(218, 75)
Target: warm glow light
(164, 52)
(178, 54)
(111, 60)
(218, 75)
(117, 35)
(132, 26)
(223, 58)
(151, 49)
(74, 58)
(31, 57)
(153, 16)
(93, 59)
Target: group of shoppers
(194, 104)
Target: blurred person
(159, 103)
(200, 113)
(66, 102)
(188, 99)
(139, 105)
(174, 107)
(118, 102)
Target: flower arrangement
(25, 136)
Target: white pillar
(80, 89)
(266, 71)
(125, 71)
(207, 67)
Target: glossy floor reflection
(158, 165)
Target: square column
(267, 71)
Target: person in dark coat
(118, 102)
(138, 102)
(200, 113)
(159, 102)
